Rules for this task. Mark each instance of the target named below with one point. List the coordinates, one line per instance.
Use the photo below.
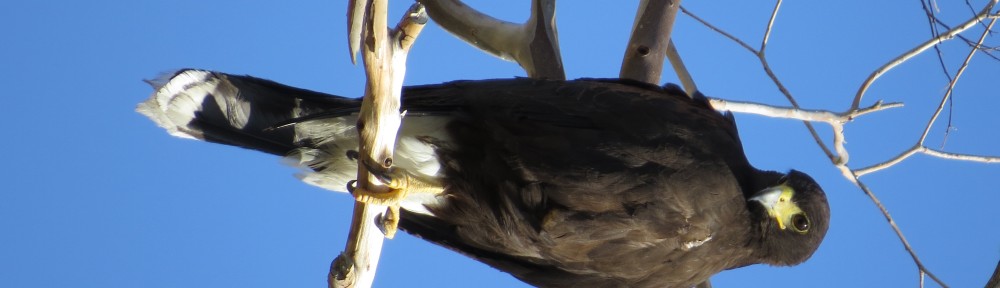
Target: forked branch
(983, 14)
(920, 147)
(534, 44)
(841, 157)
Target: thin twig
(922, 277)
(919, 49)
(676, 62)
(895, 228)
(957, 156)
(770, 24)
(841, 156)
(930, 152)
(920, 146)
(934, 33)
(888, 163)
(951, 85)
(988, 50)
(717, 30)
(944, 68)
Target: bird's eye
(800, 223)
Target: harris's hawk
(585, 183)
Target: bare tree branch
(920, 146)
(986, 49)
(798, 113)
(682, 72)
(954, 81)
(837, 120)
(957, 156)
(928, 151)
(385, 59)
(718, 30)
(534, 45)
(899, 233)
(770, 24)
(841, 157)
(985, 13)
(355, 19)
(643, 60)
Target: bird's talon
(390, 221)
(353, 155)
(385, 178)
(351, 186)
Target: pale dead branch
(835, 120)
(687, 81)
(384, 59)
(534, 44)
(928, 151)
(643, 60)
(798, 113)
(355, 19)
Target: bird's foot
(399, 182)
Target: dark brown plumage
(586, 183)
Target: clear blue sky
(95, 195)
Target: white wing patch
(331, 169)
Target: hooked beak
(777, 201)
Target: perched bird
(585, 183)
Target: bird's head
(793, 216)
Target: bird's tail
(236, 110)
(261, 115)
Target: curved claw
(400, 183)
(351, 186)
(353, 155)
(386, 177)
(390, 221)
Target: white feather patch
(178, 98)
(331, 169)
